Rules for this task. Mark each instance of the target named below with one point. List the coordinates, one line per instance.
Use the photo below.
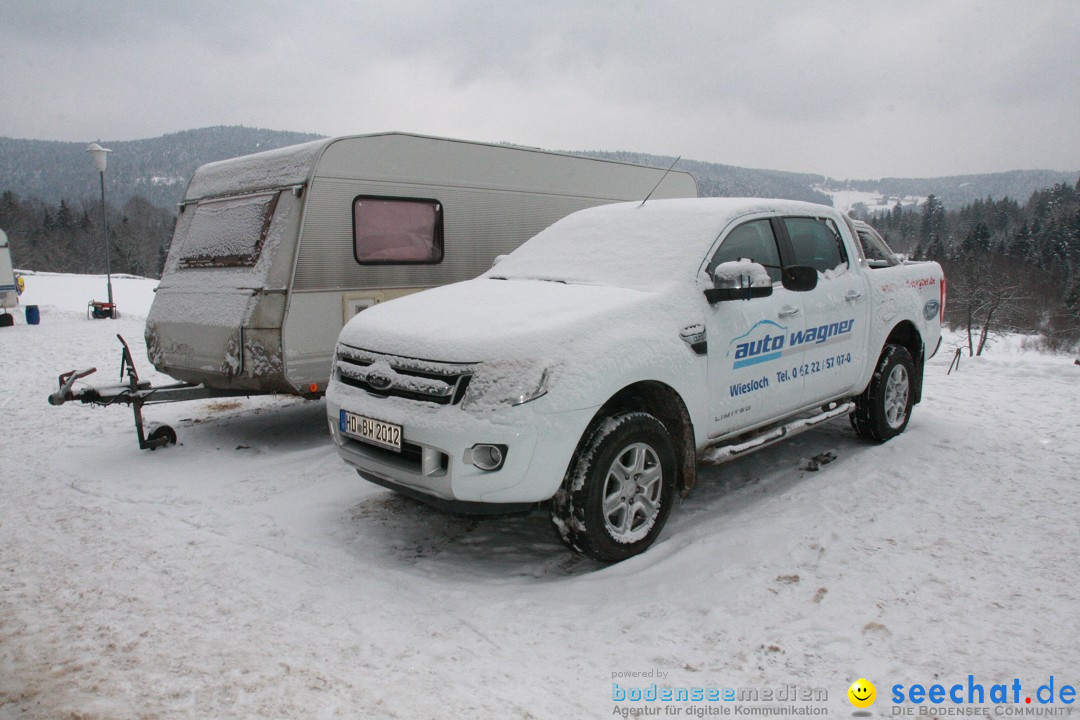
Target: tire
(619, 488)
(161, 436)
(7, 319)
(882, 410)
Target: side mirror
(800, 278)
(739, 280)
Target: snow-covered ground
(248, 573)
(845, 200)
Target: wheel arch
(666, 405)
(908, 336)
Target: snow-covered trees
(69, 238)
(1010, 266)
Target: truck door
(750, 378)
(836, 312)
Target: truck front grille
(395, 376)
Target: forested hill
(716, 180)
(156, 169)
(958, 190)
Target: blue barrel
(33, 315)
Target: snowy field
(845, 200)
(247, 573)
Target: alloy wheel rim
(896, 397)
(632, 493)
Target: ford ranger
(597, 366)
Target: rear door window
(397, 230)
(875, 249)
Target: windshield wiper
(537, 279)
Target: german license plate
(376, 432)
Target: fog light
(486, 457)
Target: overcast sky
(847, 89)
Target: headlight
(506, 382)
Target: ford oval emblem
(930, 309)
(379, 382)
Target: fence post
(955, 361)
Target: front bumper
(432, 465)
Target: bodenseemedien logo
(784, 701)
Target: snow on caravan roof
(631, 245)
(405, 157)
(270, 169)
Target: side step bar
(724, 453)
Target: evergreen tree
(933, 220)
(64, 218)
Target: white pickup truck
(601, 362)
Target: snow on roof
(270, 169)
(632, 245)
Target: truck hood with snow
(486, 318)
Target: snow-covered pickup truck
(601, 362)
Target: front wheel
(882, 410)
(619, 489)
(161, 436)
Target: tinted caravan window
(397, 230)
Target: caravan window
(397, 230)
(228, 232)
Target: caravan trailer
(9, 284)
(274, 252)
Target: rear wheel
(618, 491)
(882, 411)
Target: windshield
(629, 245)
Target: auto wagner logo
(768, 340)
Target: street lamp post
(101, 158)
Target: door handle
(852, 295)
(787, 311)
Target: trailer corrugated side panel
(477, 225)
(494, 198)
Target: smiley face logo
(862, 693)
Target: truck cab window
(397, 230)
(815, 243)
(751, 241)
